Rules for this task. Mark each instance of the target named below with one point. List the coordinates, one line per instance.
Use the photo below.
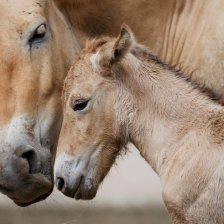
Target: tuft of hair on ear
(123, 43)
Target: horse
(118, 92)
(37, 47)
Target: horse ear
(113, 51)
(122, 44)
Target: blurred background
(131, 193)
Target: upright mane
(144, 53)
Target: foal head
(92, 135)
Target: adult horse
(37, 47)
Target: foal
(118, 92)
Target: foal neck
(164, 107)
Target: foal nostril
(60, 183)
(31, 158)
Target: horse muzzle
(74, 178)
(27, 175)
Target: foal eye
(38, 34)
(80, 105)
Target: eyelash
(37, 37)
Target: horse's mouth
(85, 191)
(81, 190)
(27, 192)
(68, 191)
(76, 193)
(25, 204)
(81, 182)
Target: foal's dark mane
(143, 53)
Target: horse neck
(161, 108)
(90, 18)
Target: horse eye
(80, 105)
(38, 34)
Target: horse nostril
(60, 183)
(31, 158)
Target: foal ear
(122, 44)
(116, 50)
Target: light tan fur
(133, 97)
